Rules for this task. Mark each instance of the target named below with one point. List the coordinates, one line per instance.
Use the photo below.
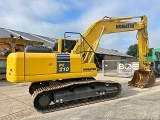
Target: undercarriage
(58, 95)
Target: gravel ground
(134, 104)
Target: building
(28, 36)
(108, 54)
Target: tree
(133, 50)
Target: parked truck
(9, 45)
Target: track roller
(43, 100)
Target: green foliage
(133, 50)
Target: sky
(52, 18)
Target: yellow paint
(37, 67)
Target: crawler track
(114, 91)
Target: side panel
(40, 64)
(76, 63)
(43, 67)
(89, 69)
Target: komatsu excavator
(64, 77)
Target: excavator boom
(143, 77)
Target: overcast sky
(54, 17)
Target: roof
(28, 36)
(111, 52)
(50, 41)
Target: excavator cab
(64, 46)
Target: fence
(120, 68)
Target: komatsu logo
(129, 25)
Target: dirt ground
(134, 104)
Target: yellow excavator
(64, 77)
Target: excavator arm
(107, 25)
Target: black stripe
(63, 58)
(63, 54)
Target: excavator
(63, 77)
